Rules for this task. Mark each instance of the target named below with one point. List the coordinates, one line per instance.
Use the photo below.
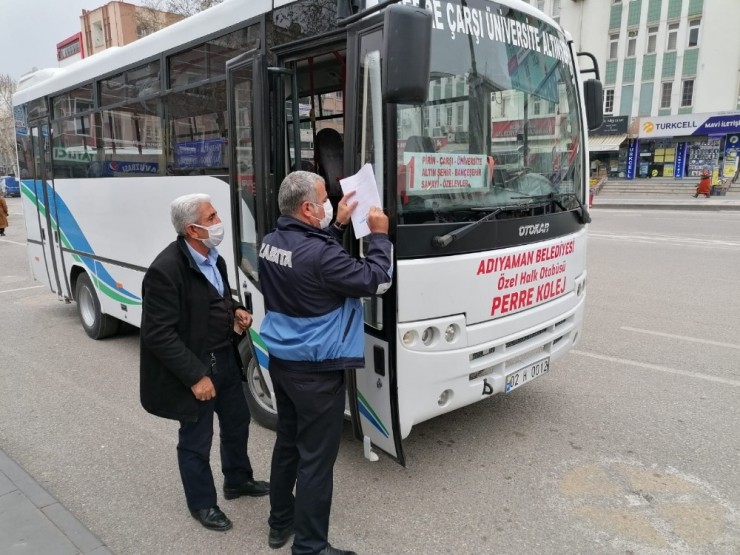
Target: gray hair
(185, 210)
(297, 187)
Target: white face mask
(215, 234)
(328, 214)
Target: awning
(605, 143)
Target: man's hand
(204, 390)
(242, 319)
(345, 208)
(377, 221)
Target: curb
(33, 517)
(649, 206)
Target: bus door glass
(374, 388)
(45, 203)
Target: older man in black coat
(190, 367)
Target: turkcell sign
(631, 158)
(689, 124)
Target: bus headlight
(409, 337)
(427, 336)
(451, 333)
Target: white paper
(366, 195)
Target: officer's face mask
(328, 214)
(215, 234)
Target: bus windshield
(501, 126)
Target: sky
(32, 29)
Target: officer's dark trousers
(310, 418)
(194, 447)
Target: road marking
(668, 240)
(648, 366)
(22, 289)
(14, 242)
(683, 338)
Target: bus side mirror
(407, 38)
(593, 96)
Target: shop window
(693, 35)
(687, 93)
(672, 39)
(652, 40)
(665, 94)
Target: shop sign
(680, 159)
(615, 125)
(689, 124)
(632, 158)
(732, 155)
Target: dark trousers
(310, 409)
(194, 447)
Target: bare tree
(181, 7)
(8, 86)
(150, 16)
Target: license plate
(527, 374)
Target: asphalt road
(629, 445)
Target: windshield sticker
(487, 24)
(527, 278)
(432, 171)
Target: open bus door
(402, 41)
(373, 390)
(45, 199)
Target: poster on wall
(732, 155)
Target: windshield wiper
(441, 241)
(583, 216)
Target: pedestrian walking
(705, 184)
(190, 367)
(3, 216)
(314, 333)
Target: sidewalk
(674, 202)
(632, 194)
(32, 522)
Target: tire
(96, 324)
(255, 388)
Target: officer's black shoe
(278, 538)
(329, 550)
(213, 519)
(251, 488)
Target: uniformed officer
(314, 332)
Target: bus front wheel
(96, 324)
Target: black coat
(174, 329)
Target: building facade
(120, 23)
(70, 50)
(673, 68)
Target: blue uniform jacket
(312, 289)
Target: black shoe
(278, 538)
(251, 488)
(213, 519)
(329, 550)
